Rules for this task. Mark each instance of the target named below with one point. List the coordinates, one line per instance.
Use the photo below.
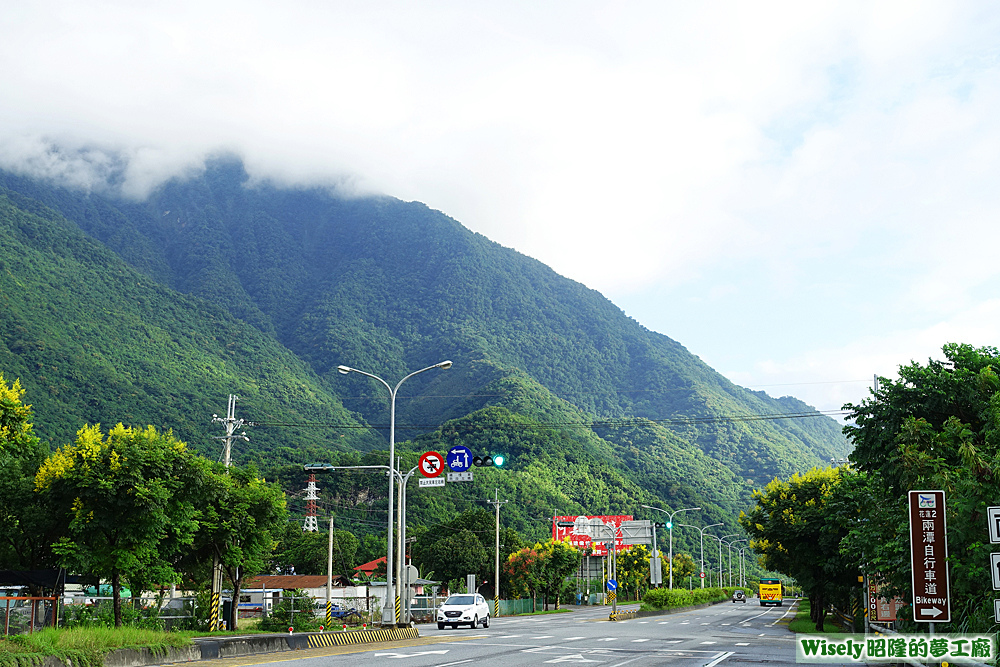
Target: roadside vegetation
(936, 427)
(665, 598)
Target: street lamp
(720, 540)
(389, 612)
(730, 545)
(670, 528)
(702, 531)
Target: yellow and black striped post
(399, 610)
(496, 606)
(213, 613)
(329, 615)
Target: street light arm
(442, 364)
(347, 369)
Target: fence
(26, 614)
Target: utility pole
(231, 423)
(496, 503)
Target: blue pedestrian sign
(459, 458)
(612, 585)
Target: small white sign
(996, 610)
(431, 481)
(995, 570)
(993, 521)
(460, 476)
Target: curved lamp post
(702, 531)
(389, 613)
(670, 529)
(730, 546)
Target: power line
(599, 423)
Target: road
(724, 634)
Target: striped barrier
(320, 639)
(215, 623)
(621, 615)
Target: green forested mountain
(153, 311)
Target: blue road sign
(612, 585)
(459, 458)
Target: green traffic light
(669, 525)
(499, 460)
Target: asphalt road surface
(724, 635)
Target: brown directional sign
(928, 557)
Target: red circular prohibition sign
(431, 464)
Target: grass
(84, 646)
(802, 623)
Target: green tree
(27, 525)
(633, 570)
(559, 559)
(241, 524)
(937, 427)
(797, 532)
(684, 566)
(307, 552)
(127, 503)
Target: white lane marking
(663, 622)
(570, 658)
(636, 641)
(719, 659)
(673, 641)
(783, 615)
(707, 643)
(643, 622)
(705, 624)
(743, 643)
(682, 622)
(408, 655)
(607, 639)
(508, 636)
(727, 624)
(763, 634)
(542, 637)
(572, 639)
(460, 662)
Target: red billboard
(590, 531)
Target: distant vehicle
(739, 596)
(770, 592)
(345, 614)
(461, 609)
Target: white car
(461, 609)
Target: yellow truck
(770, 592)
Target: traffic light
(668, 525)
(490, 461)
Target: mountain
(152, 311)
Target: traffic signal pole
(496, 503)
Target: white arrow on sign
(408, 655)
(933, 612)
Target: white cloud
(816, 179)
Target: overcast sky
(804, 194)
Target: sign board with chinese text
(431, 481)
(594, 532)
(993, 522)
(879, 608)
(928, 557)
(460, 476)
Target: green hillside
(153, 311)
(95, 341)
